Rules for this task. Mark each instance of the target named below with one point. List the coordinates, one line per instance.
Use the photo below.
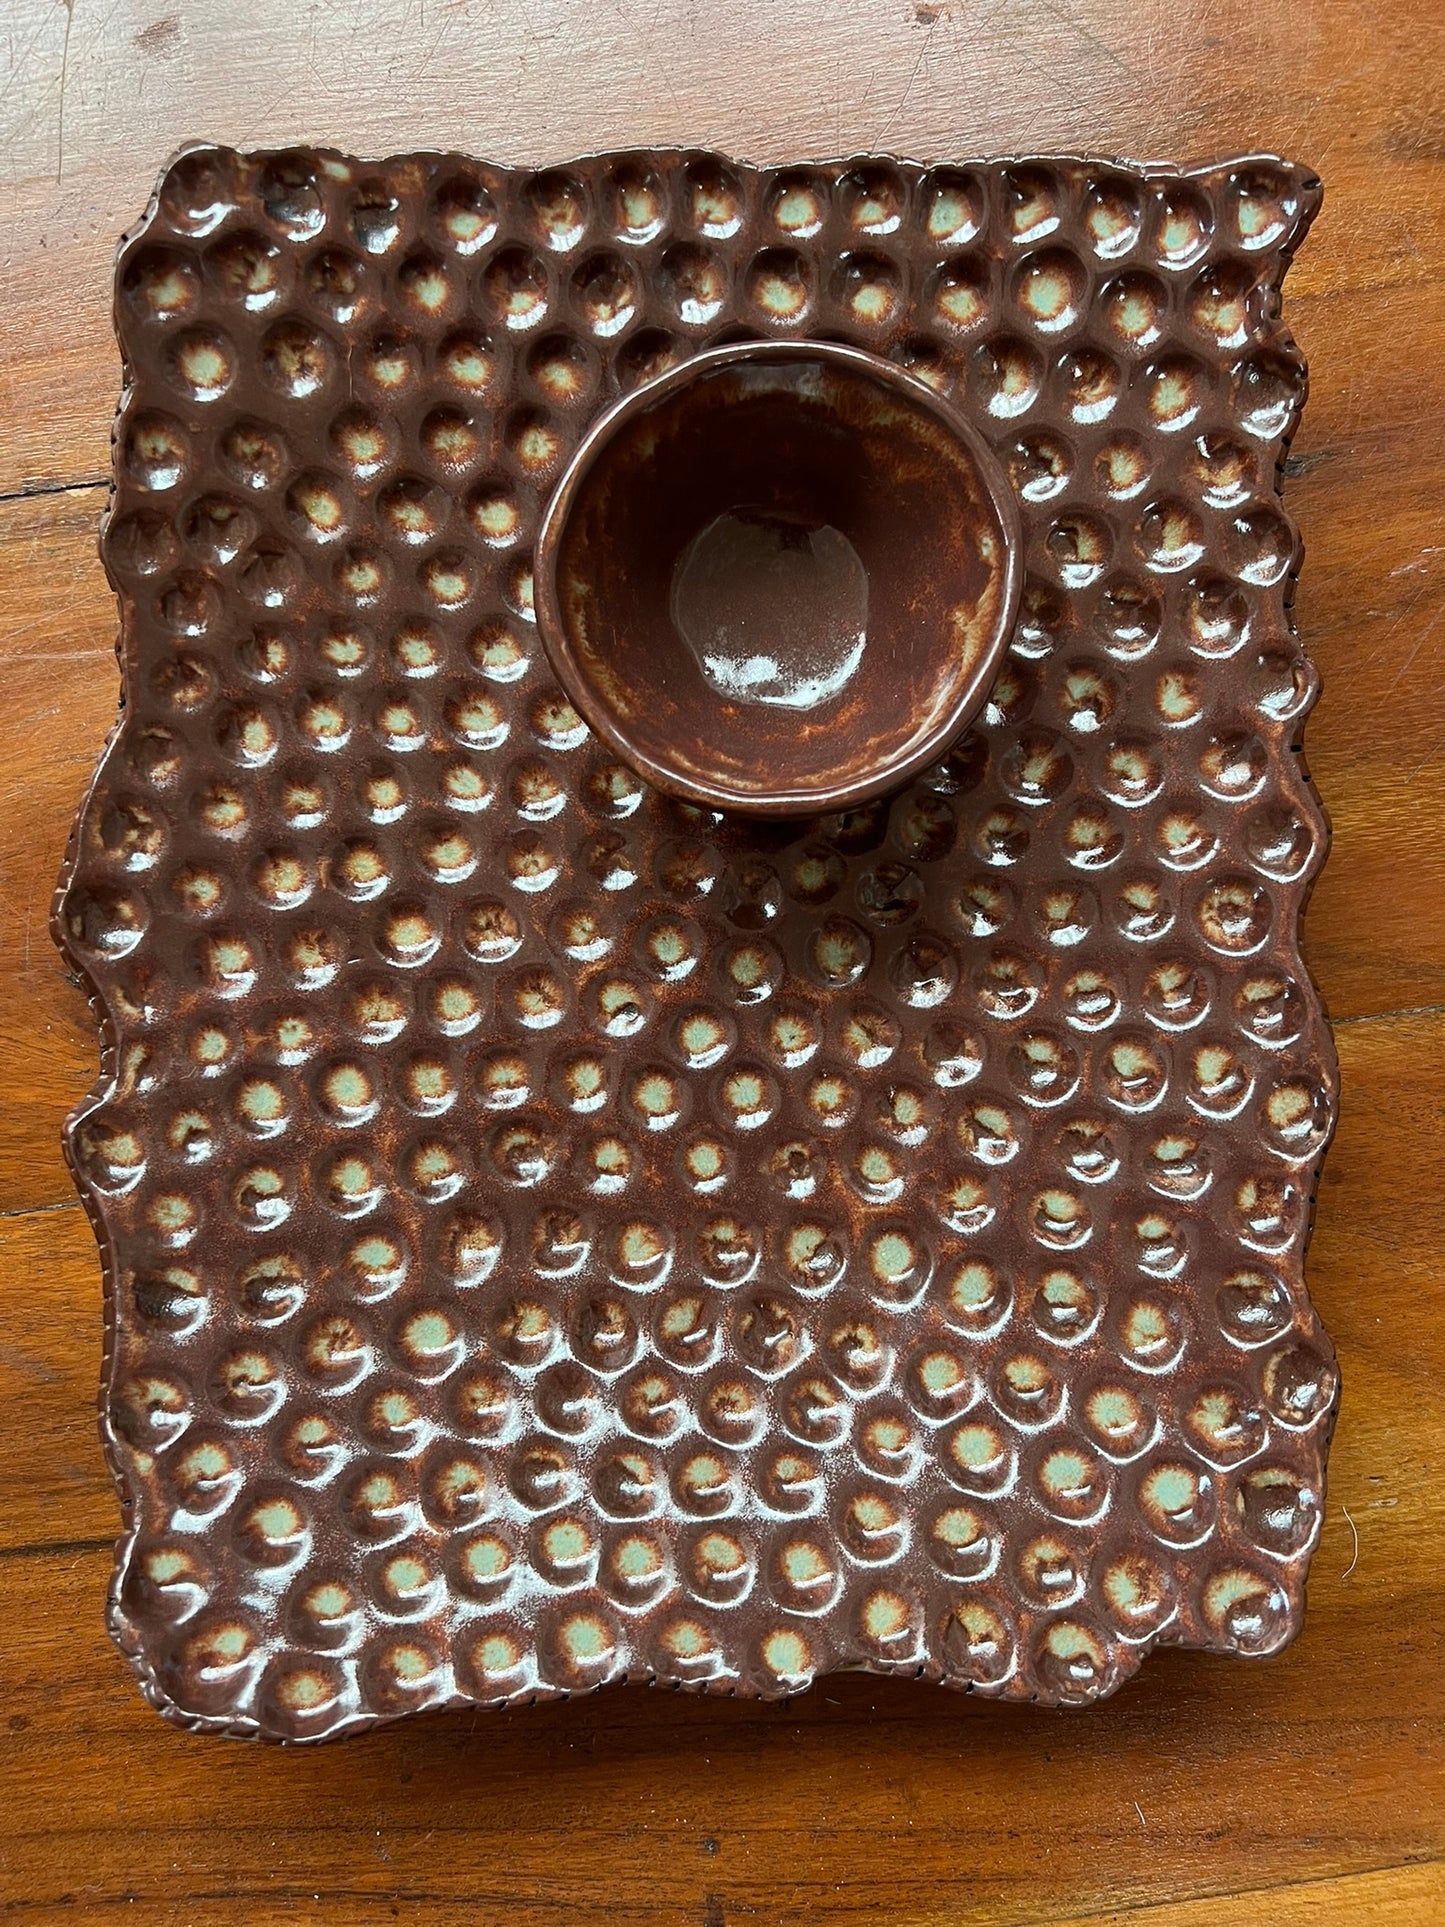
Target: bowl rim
(780, 800)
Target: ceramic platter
(557, 1233)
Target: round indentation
(1149, 1333)
(727, 1251)
(979, 1642)
(1227, 474)
(464, 212)
(337, 284)
(557, 204)
(1268, 390)
(1300, 1383)
(1264, 206)
(1089, 383)
(1049, 290)
(160, 284)
(1137, 1593)
(786, 1658)
(605, 292)
(1180, 1165)
(197, 192)
(1176, 389)
(516, 288)
(636, 202)
(778, 285)
(978, 1457)
(873, 1527)
(467, 360)
(1027, 1391)
(889, 1444)
(704, 1486)
(953, 206)
(393, 362)
(870, 289)
(960, 295)
(797, 204)
(1112, 215)
(646, 354)
(872, 199)
(1268, 1216)
(1043, 1069)
(1122, 467)
(1235, 916)
(1088, 1151)
(1260, 546)
(1134, 309)
(1030, 202)
(292, 197)
(582, 1649)
(694, 283)
(1181, 224)
(1133, 1073)
(202, 363)
(803, 1575)
(1169, 537)
(424, 284)
(1092, 838)
(296, 359)
(1161, 1243)
(1225, 1425)
(1006, 375)
(1278, 1511)
(273, 1531)
(154, 450)
(1128, 619)
(1247, 1611)
(1006, 985)
(1133, 771)
(1119, 1420)
(1270, 1008)
(815, 1411)
(1036, 768)
(964, 1541)
(923, 971)
(1220, 1082)
(1051, 1572)
(1040, 466)
(1177, 1502)
(1066, 1306)
(814, 1256)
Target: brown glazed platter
(836, 1199)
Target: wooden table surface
(1305, 1788)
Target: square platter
(556, 1234)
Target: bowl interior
(779, 578)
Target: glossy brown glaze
(558, 1234)
(779, 578)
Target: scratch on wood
(69, 6)
(903, 98)
(1296, 465)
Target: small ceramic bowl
(779, 578)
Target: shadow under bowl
(779, 578)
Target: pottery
(780, 578)
(556, 1231)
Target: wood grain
(1308, 1788)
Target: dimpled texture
(556, 1235)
